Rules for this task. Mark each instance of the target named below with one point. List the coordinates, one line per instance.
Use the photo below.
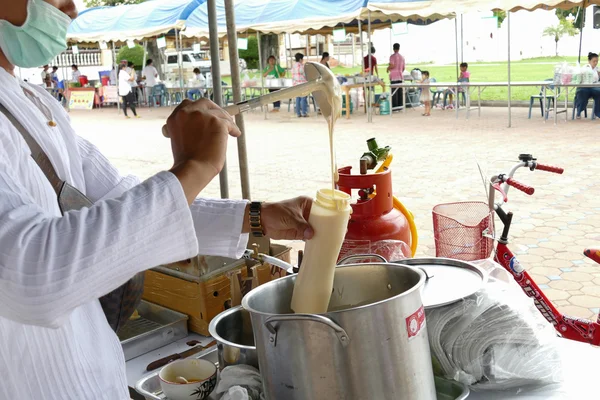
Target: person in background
(465, 76)
(76, 74)
(373, 67)
(200, 80)
(298, 77)
(274, 70)
(125, 91)
(583, 95)
(325, 59)
(46, 80)
(54, 75)
(426, 94)
(396, 70)
(134, 81)
(113, 76)
(150, 75)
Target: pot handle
(360, 256)
(339, 331)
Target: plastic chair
(540, 98)
(437, 93)
(575, 101)
(157, 93)
(553, 108)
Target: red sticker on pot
(415, 322)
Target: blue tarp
(150, 18)
(302, 16)
(155, 17)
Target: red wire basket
(459, 228)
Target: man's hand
(199, 132)
(286, 219)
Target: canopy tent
(126, 22)
(432, 8)
(303, 17)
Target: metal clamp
(339, 331)
(360, 256)
(254, 255)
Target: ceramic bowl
(202, 375)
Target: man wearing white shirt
(76, 73)
(150, 75)
(55, 342)
(46, 81)
(200, 81)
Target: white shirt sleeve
(217, 223)
(51, 265)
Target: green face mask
(42, 37)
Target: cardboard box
(203, 297)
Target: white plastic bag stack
(240, 382)
(495, 339)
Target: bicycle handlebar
(520, 186)
(549, 168)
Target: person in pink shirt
(396, 70)
(465, 76)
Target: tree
(576, 13)
(251, 54)
(501, 15)
(109, 3)
(135, 55)
(564, 27)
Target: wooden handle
(162, 362)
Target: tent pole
(583, 10)
(509, 95)
(361, 62)
(457, 74)
(236, 85)
(145, 54)
(216, 78)
(260, 70)
(369, 111)
(179, 59)
(289, 57)
(116, 65)
(307, 47)
(353, 49)
(462, 40)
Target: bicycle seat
(593, 254)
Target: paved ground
(435, 162)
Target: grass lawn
(533, 69)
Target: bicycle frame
(579, 329)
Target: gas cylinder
(374, 218)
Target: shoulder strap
(38, 155)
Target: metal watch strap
(255, 219)
(37, 153)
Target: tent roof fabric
(155, 17)
(428, 8)
(277, 16)
(136, 21)
(298, 16)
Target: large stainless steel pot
(372, 344)
(232, 329)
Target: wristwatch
(256, 227)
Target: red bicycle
(578, 329)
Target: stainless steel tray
(156, 327)
(149, 386)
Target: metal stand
(216, 78)
(237, 96)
